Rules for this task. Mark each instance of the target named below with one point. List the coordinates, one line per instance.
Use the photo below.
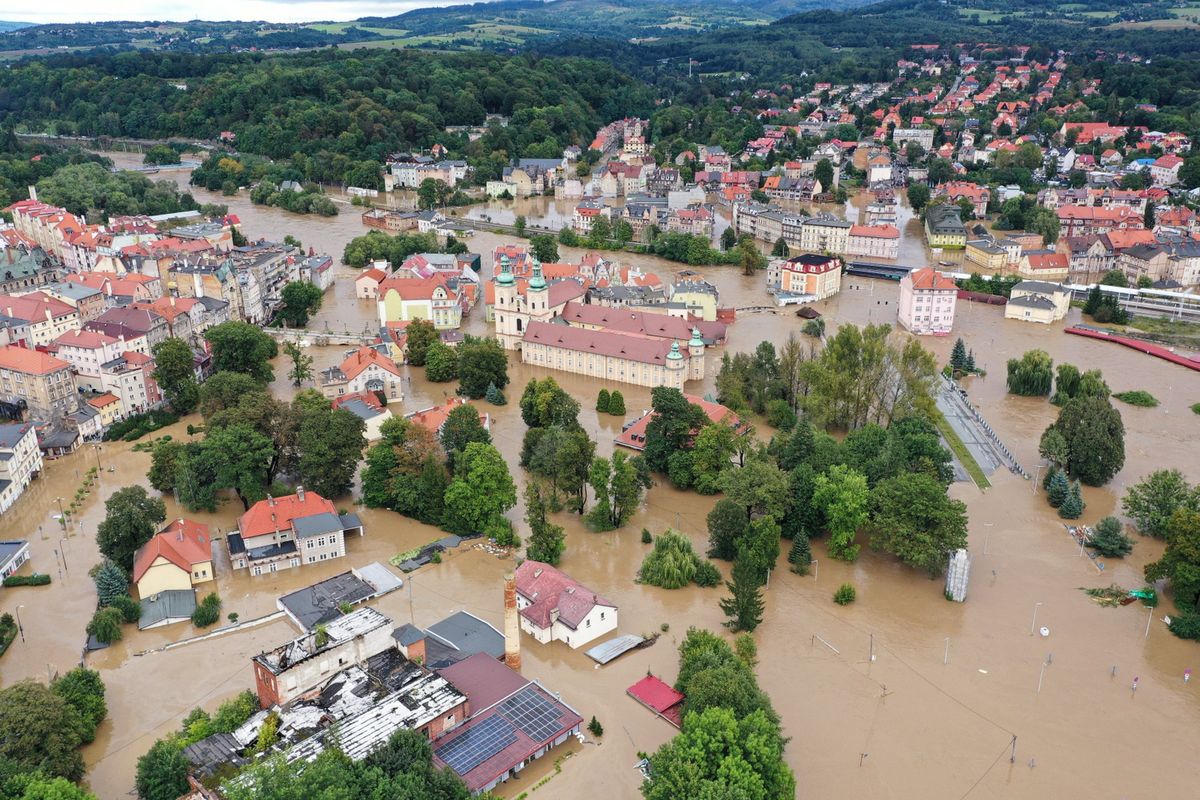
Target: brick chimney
(300, 493)
(512, 627)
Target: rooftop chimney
(300, 493)
(512, 627)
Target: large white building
(927, 300)
(554, 607)
(20, 461)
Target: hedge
(36, 579)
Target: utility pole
(411, 619)
(946, 655)
(872, 647)
(1012, 759)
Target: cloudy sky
(270, 10)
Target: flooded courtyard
(934, 715)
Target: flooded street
(907, 725)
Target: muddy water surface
(932, 716)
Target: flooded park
(959, 700)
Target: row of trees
(861, 375)
(379, 246)
(252, 440)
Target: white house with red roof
(367, 369)
(1165, 170)
(555, 607)
(284, 532)
(927, 300)
(404, 297)
(366, 285)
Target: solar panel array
(536, 716)
(477, 744)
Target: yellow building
(108, 406)
(700, 297)
(987, 254)
(944, 227)
(176, 559)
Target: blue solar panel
(477, 744)
(535, 714)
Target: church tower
(508, 316)
(696, 356)
(538, 296)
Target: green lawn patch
(960, 451)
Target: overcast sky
(270, 10)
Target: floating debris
(1110, 596)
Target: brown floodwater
(927, 728)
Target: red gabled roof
(434, 417)
(277, 513)
(183, 543)
(659, 697)
(547, 590)
(365, 357)
(634, 436)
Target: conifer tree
(616, 403)
(494, 395)
(603, 401)
(111, 582)
(1072, 507)
(744, 606)
(958, 356)
(800, 556)
(1059, 489)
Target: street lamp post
(1033, 624)
(62, 546)
(62, 515)
(19, 626)
(96, 447)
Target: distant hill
(504, 25)
(6, 26)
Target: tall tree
(301, 370)
(545, 404)
(462, 427)
(330, 442)
(546, 540)
(242, 347)
(175, 374)
(481, 492)
(162, 772)
(482, 362)
(1153, 501)
(300, 300)
(441, 363)
(240, 457)
(912, 518)
(130, 519)
(419, 335)
(842, 495)
(670, 429)
(744, 606)
(760, 487)
(1180, 562)
(618, 485)
(1095, 437)
(225, 390)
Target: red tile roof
(102, 400)
(30, 362)
(643, 323)
(435, 416)
(645, 349)
(547, 590)
(929, 279)
(415, 288)
(365, 357)
(634, 437)
(85, 339)
(276, 513)
(183, 543)
(876, 231)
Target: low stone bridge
(319, 338)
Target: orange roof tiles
(363, 358)
(183, 543)
(929, 279)
(276, 513)
(30, 362)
